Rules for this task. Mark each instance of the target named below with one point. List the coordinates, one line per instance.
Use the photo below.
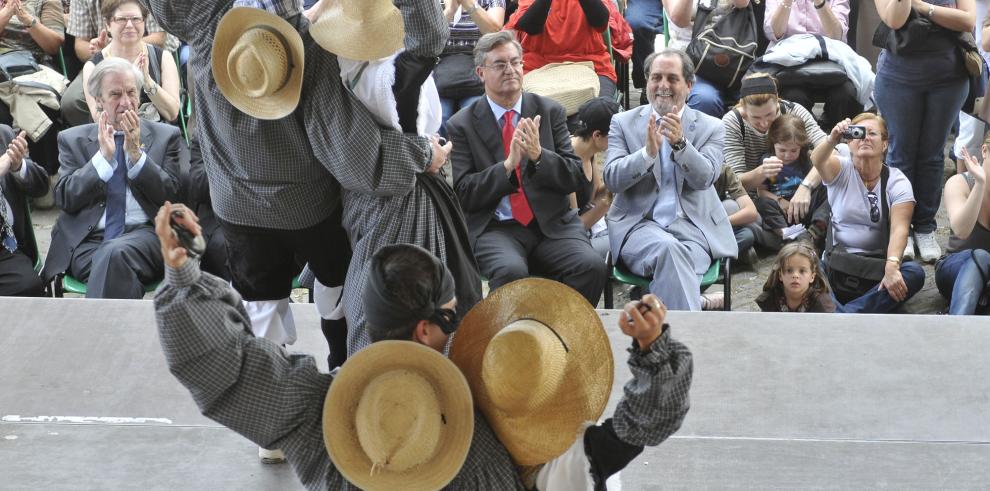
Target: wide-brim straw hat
(539, 365)
(362, 30)
(570, 84)
(258, 60)
(398, 415)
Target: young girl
(796, 284)
(788, 156)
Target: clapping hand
(529, 130)
(13, 158)
(98, 43)
(979, 172)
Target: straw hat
(569, 83)
(258, 62)
(361, 30)
(539, 364)
(398, 415)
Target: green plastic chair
(718, 272)
(65, 283)
(61, 63)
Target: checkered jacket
(275, 399)
(287, 173)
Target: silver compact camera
(854, 132)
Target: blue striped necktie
(117, 192)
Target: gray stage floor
(835, 402)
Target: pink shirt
(804, 19)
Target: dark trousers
(214, 260)
(118, 268)
(646, 20)
(774, 218)
(17, 275)
(840, 101)
(263, 261)
(507, 251)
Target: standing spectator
(859, 217)
(570, 31)
(828, 18)
(746, 129)
(645, 17)
(920, 94)
(20, 178)
(514, 168)
(963, 276)
(114, 176)
(125, 21)
(705, 96)
(469, 20)
(972, 130)
(667, 222)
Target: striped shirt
(465, 32)
(745, 147)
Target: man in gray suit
(666, 221)
(114, 176)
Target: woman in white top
(858, 215)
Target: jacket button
(90, 228)
(101, 204)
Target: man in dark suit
(514, 169)
(114, 176)
(20, 178)
(197, 196)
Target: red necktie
(520, 205)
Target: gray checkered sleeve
(248, 384)
(656, 399)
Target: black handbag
(918, 34)
(16, 63)
(852, 274)
(723, 52)
(455, 76)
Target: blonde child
(796, 283)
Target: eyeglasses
(874, 208)
(502, 65)
(122, 21)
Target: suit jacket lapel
(488, 130)
(147, 139)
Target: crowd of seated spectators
(756, 163)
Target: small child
(789, 149)
(796, 283)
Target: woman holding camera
(859, 218)
(963, 276)
(920, 90)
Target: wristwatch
(807, 185)
(931, 11)
(34, 22)
(151, 89)
(471, 9)
(679, 145)
(894, 259)
(820, 6)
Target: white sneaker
(271, 456)
(909, 249)
(928, 247)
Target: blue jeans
(919, 116)
(959, 280)
(878, 301)
(451, 106)
(646, 20)
(707, 98)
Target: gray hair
(687, 66)
(112, 65)
(492, 40)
